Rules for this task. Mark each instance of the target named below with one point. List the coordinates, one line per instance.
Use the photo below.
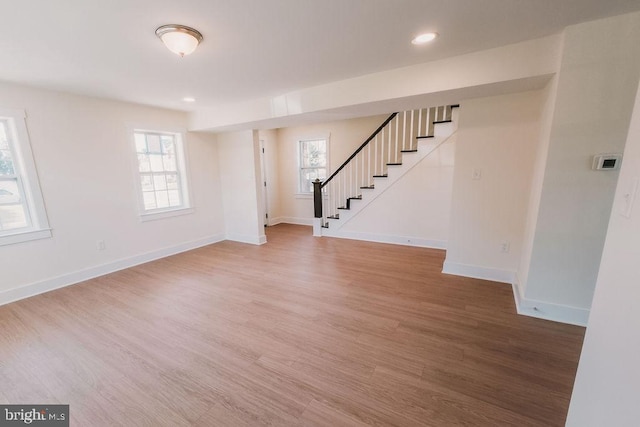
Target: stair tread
(443, 112)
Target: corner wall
(597, 83)
(608, 380)
(549, 96)
(496, 147)
(240, 180)
(86, 164)
(272, 168)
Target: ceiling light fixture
(188, 99)
(179, 39)
(424, 38)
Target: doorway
(265, 199)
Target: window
(22, 213)
(161, 169)
(313, 163)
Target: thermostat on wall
(607, 162)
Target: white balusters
(404, 130)
(395, 157)
(374, 160)
(390, 143)
(399, 134)
(411, 137)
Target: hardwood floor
(300, 331)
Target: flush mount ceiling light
(424, 38)
(179, 39)
(189, 99)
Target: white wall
(345, 136)
(498, 137)
(416, 209)
(596, 88)
(435, 83)
(85, 159)
(549, 95)
(240, 180)
(608, 381)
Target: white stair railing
(399, 133)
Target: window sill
(152, 216)
(25, 236)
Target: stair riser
(409, 161)
(402, 161)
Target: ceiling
(256, 48)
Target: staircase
(399, 144)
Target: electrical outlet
(476, 174)
(101, 245)
(504, 247)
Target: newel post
(317, 198)
(317, 208)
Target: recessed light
(424, 38)
(188, 99)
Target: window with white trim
(162, 180)
(22, 213)
(312, 163)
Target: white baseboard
(317, 227)
(526, 307)
(246, 238)
(47, 285)
(385, 238)
(517, 292)
(477, 272)
(548, 311)
(275, 221)
(291, 220)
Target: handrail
(355, 153)
(371, 159)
